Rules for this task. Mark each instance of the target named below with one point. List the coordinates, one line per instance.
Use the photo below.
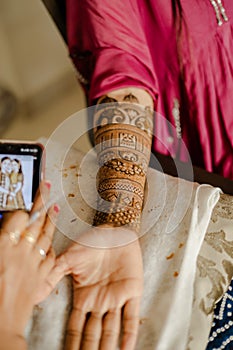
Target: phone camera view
(16, 182)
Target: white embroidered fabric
(175, 220)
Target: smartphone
(21, 170)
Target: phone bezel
(22, 148)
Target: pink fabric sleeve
(108, 45)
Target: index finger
(130, 324)
(74, 329)
(42, 197)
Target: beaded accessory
(219, 11)
(221, 334)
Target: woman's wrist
(123, 134)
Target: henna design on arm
(123, 134)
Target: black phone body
(21, 170)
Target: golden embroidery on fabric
(217, 240)
(207, 268)
(228, 267)
(224, 208)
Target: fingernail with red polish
(56, 208)
(48, 184)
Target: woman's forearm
(123, 126)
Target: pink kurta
(119, 43)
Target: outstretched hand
(107, 289)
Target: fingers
(46, 236)
(13, 226)
(48, 263)
(111, 330)
(16, 229)
(42, 196)
(130, 324)
(40, 229)
(18, 221)
(75, 329)
(46, 269)
(63, 264)
(14, 221)
(55, 275)
(92, 332)
(59, 270)
(46, 256)
(72, 260)
(28, 241)
(96, 333)
(41, 199)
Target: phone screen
(20, 173)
